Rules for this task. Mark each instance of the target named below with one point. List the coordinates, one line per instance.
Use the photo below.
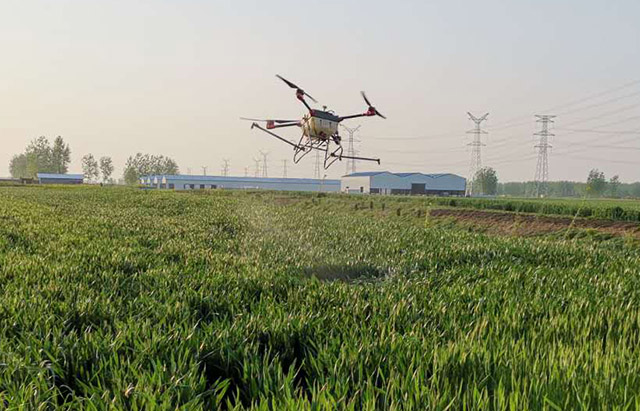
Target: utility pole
(204, 170)
(257, 169)
(316, 170)
(476, 145)
(225, 167)
(542, 167)
(264, 154)
(284, 168)
(246, 171)
(351, 162)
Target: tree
(90, 167)
(60, 156)
(40, 157)
(147, 164)
(486, 181)
(106, 168)
(596, 183)
(614, 186)
(18, 166)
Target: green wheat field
(120, 298)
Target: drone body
(319, 130)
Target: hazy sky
(173, 77)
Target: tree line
(41, 156)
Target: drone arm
(356, 116)
(272, 126)
(300, 96)
(256, 125)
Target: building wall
(59, 181)
(389, 183)
(353, 184)
(249, 183)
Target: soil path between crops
(531, 224)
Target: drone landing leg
(330, 158)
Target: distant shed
(49, 178)
(191, 182)
(384, 182)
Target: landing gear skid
(306, 145)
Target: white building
(189, 182)
(384, 182)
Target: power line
(476, 145)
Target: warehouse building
(384, 182)
(48, 178)
(189, 182)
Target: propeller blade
(290, 84)
(366, 100)
(275, 121)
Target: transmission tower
(476, 145)
(264, 155)
(284, 168)
(204, 170)
(257, 169)
(351, 162)
(316, 170)
(225, 167)
(542, 167)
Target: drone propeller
(290, 84)
(371, 108)
(266, 120)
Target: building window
(172, 186)
(201, 186)
(362, 189)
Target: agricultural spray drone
(319, 129)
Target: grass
(119, 298)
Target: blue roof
(61, 176)
(245, 179)
(401, 175)
(366, 173)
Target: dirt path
(529, 224)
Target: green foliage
(486, 181)
(90, 167)
(596, 183)
(147, 164)
(106, 168)
(621, 210)
(117, 298)
(41, 157)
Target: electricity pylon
(542, 166)
(476, 145)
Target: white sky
(173, 77)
